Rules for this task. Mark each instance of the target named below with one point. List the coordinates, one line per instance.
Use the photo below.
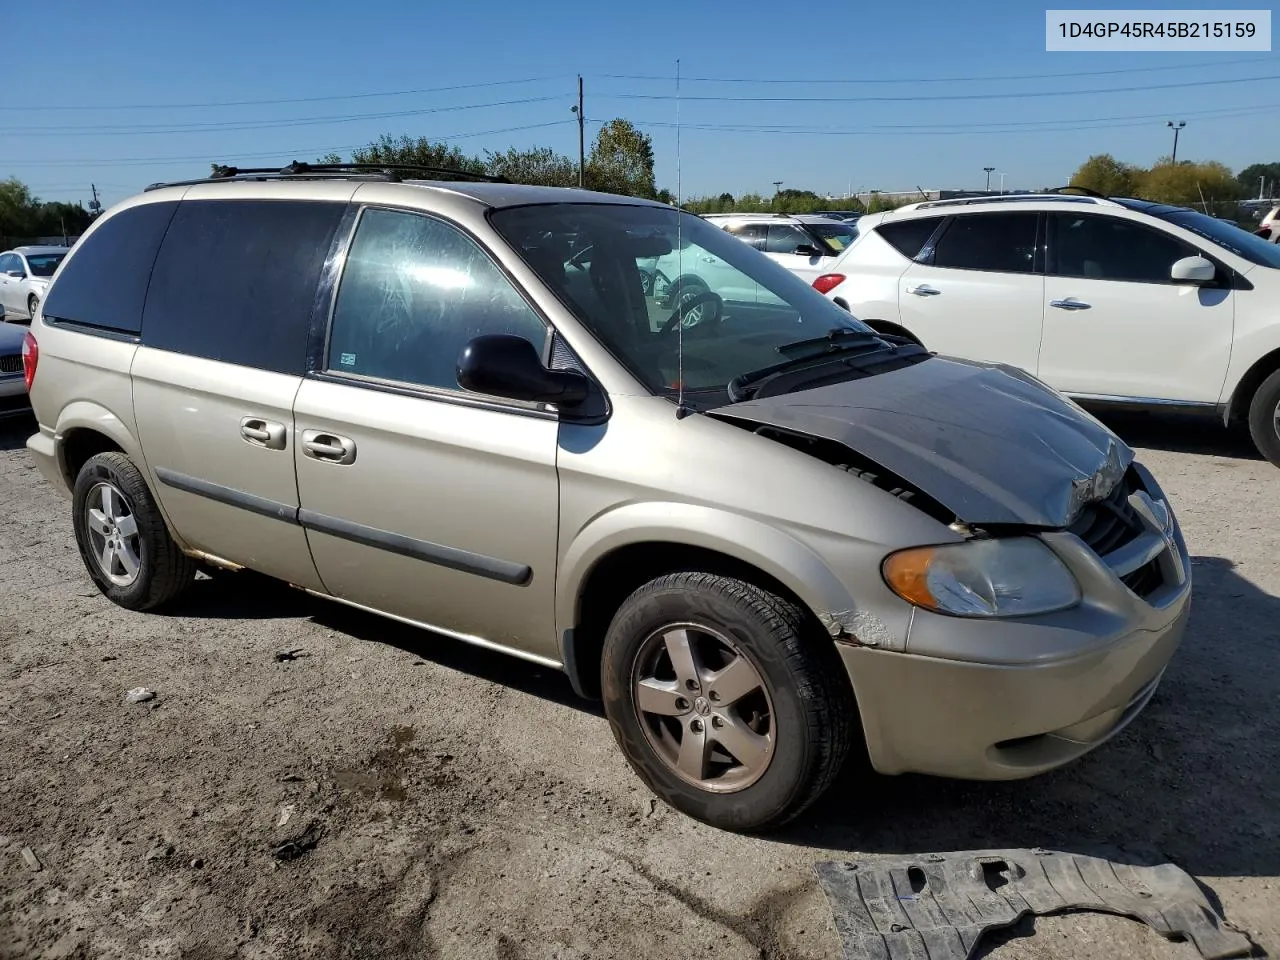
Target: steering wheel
(688, 303)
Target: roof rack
(1085, 190)
(1006, 198)
(391, 172)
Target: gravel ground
(461, 804)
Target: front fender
(768, 548)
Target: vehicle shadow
(1180, 433)
(1192, 779)
(15, 428)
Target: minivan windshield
(1236, 239)
(630, 273)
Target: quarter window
(105, 280)
(414, 293)
(1109, 248)
(908, 236)
(236, 280)
(995, 242)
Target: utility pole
(94, 206)
(777, 185)
(989, 172)
(581, 135)
(1177, 127)
(1262, 186)
(1002, 183)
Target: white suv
(1111, 301)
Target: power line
(223, 126)
(989, 77)
(291, 152)
(259, 103)
(1049, 126)
(957, 96)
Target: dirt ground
(445, 802)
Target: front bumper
(13, 395)
(982, 699)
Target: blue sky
(122, 90)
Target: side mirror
(502, 365)
(1193, 270)
(808, 250)
(16, 274)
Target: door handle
(923, 290)
(329, 447)
(1071, 303)
(708, 259)
(263, 433)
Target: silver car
(758, 538)
(24, 275)
(13, 389)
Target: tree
(1105, 174)
(621, 161)
(540, 165)
(1189, 183)
(417, 152)
(1250, 178)
(23, 215)
(726, 200)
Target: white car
(24, 275)
(1111, 301)
(1269, 227)
(805, 244)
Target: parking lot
(447, 802)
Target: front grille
(11, 363)
(1108, 524)
(1146, 580)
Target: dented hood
(989, 443)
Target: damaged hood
(989, 443)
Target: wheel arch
(632, 545)
(1236, 409)
(84, 429)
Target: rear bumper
(44, 451)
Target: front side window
(414, 293)
(9, 263)
(44, 264)
(714, 309)
(995, 242)
(785, 238)
(1109, 248)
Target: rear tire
(33, 304)
(1264, 418)
(122, 537)
(758, 750)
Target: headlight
(1012, 577)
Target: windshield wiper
(814, 351)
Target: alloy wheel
(113, 534)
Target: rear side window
(908, 236)
(998, 242)
(749, 233)
(236, 279)
(105, 279)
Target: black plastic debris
(937, 906)
(300, 844)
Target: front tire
(122, 537)
(726, 700)
(1264, 418)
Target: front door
(10, 286)
(978, 294)
(421, 500)
(1115, 323)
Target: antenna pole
(681, 412)
(582, 144)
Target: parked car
(757, 538)
(1112, 301)
(804, 244)
(848, 216)
(1268, 227)
(24, 274)
(13, 390)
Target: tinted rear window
(105, 280)
(236, 280)
(908, 236)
